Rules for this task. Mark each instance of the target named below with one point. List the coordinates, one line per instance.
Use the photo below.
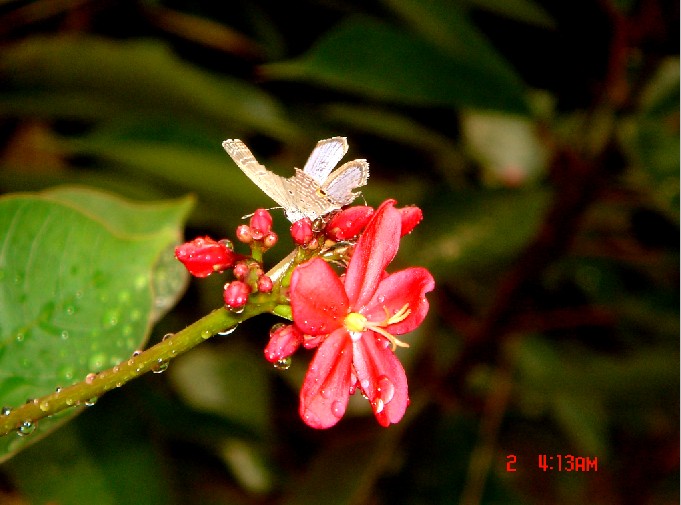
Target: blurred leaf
(96, 78)
(397, 127)
(526, 11)
(344, 472)
(105, 458)
(231, 383)
(476, 232)
(402, 67)
(81, 271)
(506, 146)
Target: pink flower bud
(301, 231)
(265, 284)
(284, 340)
(261, 223)
(241, 270)
(348, 223)
(270, 240)
(203, 256)
(244, 234)
(236, 294)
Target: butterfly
(315, 190)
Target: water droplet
(70, 309)
(206, 334)
(275, 328)
(97, 361)
(111, 318)
(228, 330)
(91, 402)
(364, 383)
(385, 389)
(5, 411)
(166, 336)
(69, 402)
(381, 299)
(67, 372)
(338, 408)
(26, 428)
(44, 406)
(89, 378)
(58, 389)
(378, 405)
(136, 353)
(160, 367)
(64, 335)
(20, 337)
(283, 363)
(325, 393)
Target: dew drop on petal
(325, 393)
(385, 389)
(338, 408)
(311, 418)
(378, 405)
(283, 363)
(364, 383)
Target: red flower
(355, 319)
(203, 256)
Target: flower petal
(318, 299)
(375, 249)
(381, 378)
(407, 286)
(326, 389)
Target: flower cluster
(352, 319)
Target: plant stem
(155, 358)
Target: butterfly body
(312, 192)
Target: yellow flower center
(356, 323)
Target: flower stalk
(154, 359)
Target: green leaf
(96, 78)
(403, 67)
(85, 275)
(521, 10)
(102, 457)
(477, 232)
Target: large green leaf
(96, 78)
(380, 61)
(85, 275)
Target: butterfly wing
(324, 158)
(273, 185)
(342, 181)
(299, 195)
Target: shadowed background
(541, 140)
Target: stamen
(355, 323)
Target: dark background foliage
(541, 140)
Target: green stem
(155, 358)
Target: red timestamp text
(558, 463)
